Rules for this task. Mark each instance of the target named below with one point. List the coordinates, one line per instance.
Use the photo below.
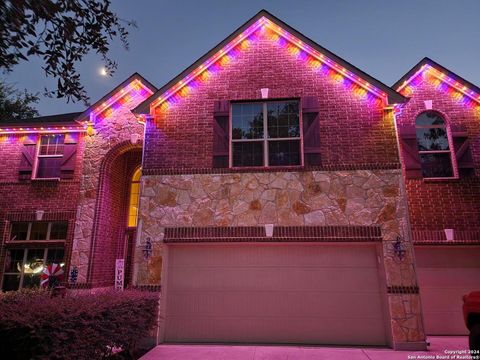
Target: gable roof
(426, 64)
(265, 18)
(114, 95)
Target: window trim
(132, 182)
(28, 241)
(453, 159)
(25, 254)
(265, 140)
(38, 156)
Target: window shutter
(411, 158)
(311, 131)
(67, 166)
(463, 154)
(28, 159)
(221, 138)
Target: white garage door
(266, 293)
(444, 275)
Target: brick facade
(447, 204)
(353, 130)
(355, 194)
(20, 199)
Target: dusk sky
(383, 38)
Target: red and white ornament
(54, 270)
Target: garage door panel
(246, 255)
(444, 276)
(445, 323)
(283, 330)
(450, 277)
(264, 293)
(322, 304)
(336, 278)
(441, 299)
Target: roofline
(393, 96)
(134, 76)
(428, 61)
(37, 120)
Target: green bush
(79, 326)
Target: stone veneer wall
(110, 133)
(362, 197)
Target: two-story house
(275, 192)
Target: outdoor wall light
(39, 215)
(264, 92)
(269, 230)
(449, 234)
(134, 138)
(399, 249)
(147, 248)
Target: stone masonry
(362, 197)
(115, 129)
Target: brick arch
(110, 216)
(442, 114)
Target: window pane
(49, 167)
(59, 230)
(55, 255)
(283, 119)
(14, 261)
(11, 282)
(432, 139)
(247, 121)
(248, 153)
(284, 153)
(31, 280)
(436, 165)
(39, 231)
(19, 231)
(429, 118)
(52, 144)
(33, 267)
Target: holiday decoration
(74, 275)
(51, 275)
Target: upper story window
(38, 230)
(49, 157)
(134, 198)
(266, 134)
(434, 146)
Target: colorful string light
(443, 82)
(264, 28)
(132, 92)
(41, 130)
(129, 94)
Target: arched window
(433, 145)
(134, 198)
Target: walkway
(438, 346)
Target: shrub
(79, 326)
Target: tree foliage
(15, 104)
(61, 33)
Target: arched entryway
(114, 232)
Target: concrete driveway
(440, 345)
